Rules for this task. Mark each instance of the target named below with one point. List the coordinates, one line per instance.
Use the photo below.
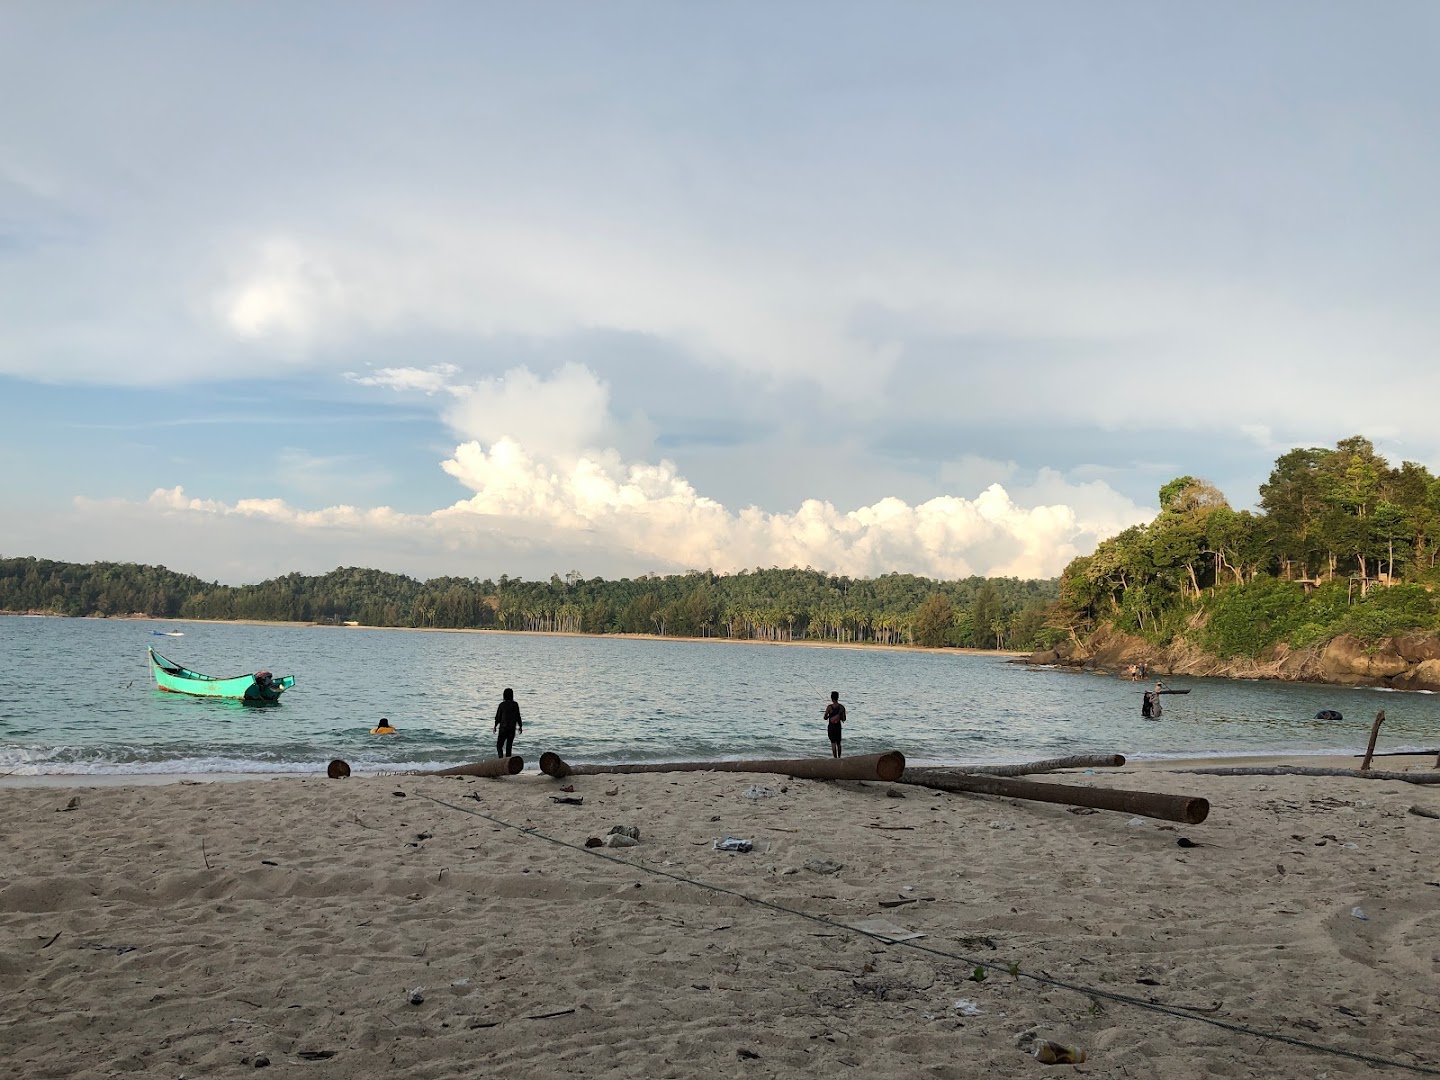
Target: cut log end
(551, 764)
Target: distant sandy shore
(609, 637)
(464, 929)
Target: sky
(647, 287)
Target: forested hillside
(1345, 544)
(775, 605)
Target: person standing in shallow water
(507, 723)
(834, 718)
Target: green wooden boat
(261, 688)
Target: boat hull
(174, 679)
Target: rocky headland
(1405, 662)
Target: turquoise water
(78, 699)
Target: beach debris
(1003, 825)
(1185, 841)
(746, 1055)
(894, 793)
(568, 787)
(316, 1055)
(594, 841)
(616, 839)
(632, 831)
(551, 1015)
(73, 804)
(398, 794)
(1083, 810)
(1136, 823)
(899, 903)
(261, 1061)
(823, 866)
(734, 843)
(966, 1007)
(118, 950)
(885, 930)
(1424, 811)
(612, 792)
(1359, 913)
(53, 939)
(1054, 1053)
(336, 770)
(760, 791)
(578, 800)
(416, 996)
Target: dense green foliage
(1344, 544)
(772, 605)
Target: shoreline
(1399, 761)
(804, 643)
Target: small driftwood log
(1374, 734)
(1075, 761)
(1186, 808)
(500, 766)
(1307, 770)
(886, 766)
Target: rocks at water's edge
(1407, 662)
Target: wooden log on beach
(887, 766)
(1186, 808)
(500, 766)
(1306, 770)
(1074, 761)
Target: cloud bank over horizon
(561, 484)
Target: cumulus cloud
(536, 478)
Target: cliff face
(1407, 662)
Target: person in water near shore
(384, 728)
(507, 723)
(1150, 704)
(834, 718)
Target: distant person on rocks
(834, 718)
(507, 724)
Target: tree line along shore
(1005, 614)
(1333, 579)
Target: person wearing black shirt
(834, 717)
(507, 723)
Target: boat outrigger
(261, 688)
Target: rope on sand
(969, 961)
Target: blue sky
(627, 288)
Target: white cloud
(428, 381)
(537, 478)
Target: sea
(77, 699)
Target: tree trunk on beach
(1075, 761)
(1306, 770)
(507, 766)
(887, 766)
(1189, 809)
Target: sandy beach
(439, 927)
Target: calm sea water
(78, 699)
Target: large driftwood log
(500, 766)
(1306, 770)
(886, 766)
(1075, 761)
(1186, 808)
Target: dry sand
(186, 929)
